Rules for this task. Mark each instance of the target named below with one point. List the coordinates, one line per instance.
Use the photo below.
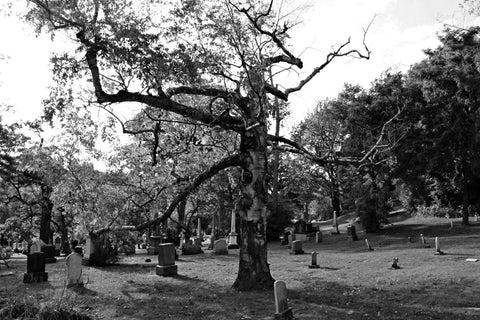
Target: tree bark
(46, 211)
(465, 198)
(254, 270)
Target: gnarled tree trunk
(46, 207)
(254, 271)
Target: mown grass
(351, 283)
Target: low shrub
(14, 309)
(436, 210)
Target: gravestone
(369, 247)
(232, 237)
(424, 242)
(314, 264)
(395, 263)
(351, 233)
(58, 246)
(318, 237)
(282, 311)
(49, 251)
(220, 247)
(335, 224)
(297, 247)
(291, 238)
(154, 244)
(74, 269)
(89, 252)
(437, 247)
(166, 260)
(35, 268)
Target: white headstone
(282, 311)
(74, 269)
(88, 248)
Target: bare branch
(230, 161)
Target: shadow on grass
(183, 297)
(444, 300)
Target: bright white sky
(401, 29)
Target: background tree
(443, 144)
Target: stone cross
(74, 269)
(166, 260)
(282, 311)
(318, 237)
(437, 247)
(314, 264)
(296, 247)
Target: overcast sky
(400, 31)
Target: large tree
(218, 54)
(443, 141)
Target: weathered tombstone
(318, 237)
(291, 238)
(166, 260)
(282, 311)
(335, 224)
(154, 244)
(351, 233)
(369, 247)
(424, 242)
(49, 251)
(437, 247)
(74, 268)
(314, 264)
(89, 251)
(297, 247)
(232, 237)
(220, 247)
(395, 263)
(58, 246)
(35, 268)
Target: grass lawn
(351, 283)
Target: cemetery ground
(351, 283)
